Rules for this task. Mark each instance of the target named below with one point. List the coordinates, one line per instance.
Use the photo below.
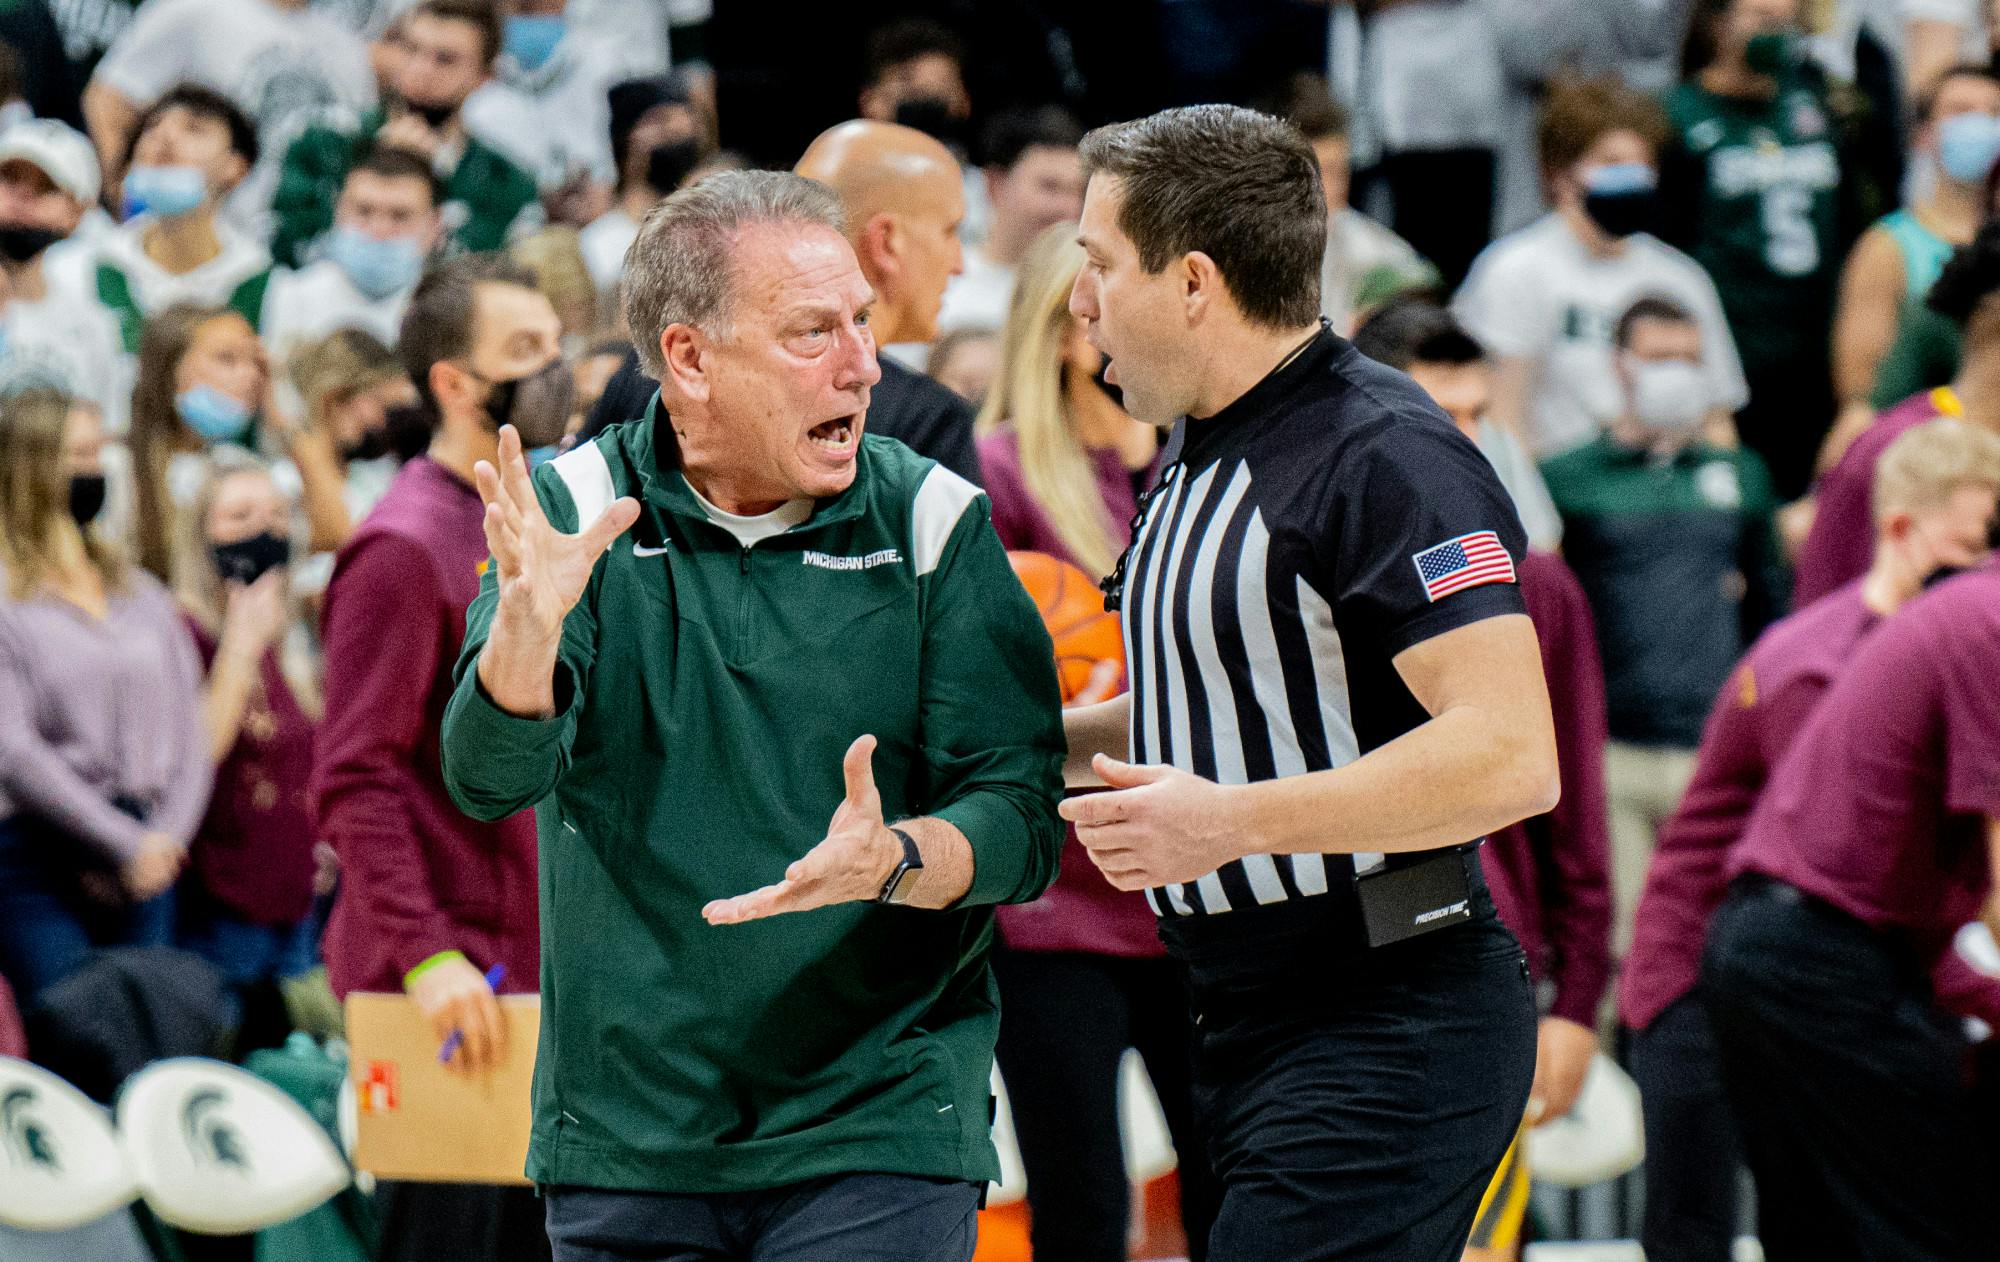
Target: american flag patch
(1467, 561)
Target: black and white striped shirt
(1273, 578)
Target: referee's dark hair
(1409, 331)
(437, 327)
(1239, 186)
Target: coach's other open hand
(1157, 825)
(850, 866)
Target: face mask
(1968, 145)
(434, 115)
(1669, 395)
(212, 414)
(406, 431)
(531, 38)
(1622, 198)
(86, 497)
(20, 242)
(538, 404)
(930, 115)
(1772, 53)
(372, 445)
(377, 267)
(667, 165)
(164, 191)
(248, 560)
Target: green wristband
(410, 977)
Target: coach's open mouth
(837, 437)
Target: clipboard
(416, 1120)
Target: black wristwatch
(902, 881)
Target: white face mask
(1668, 394)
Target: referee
(1335, 693)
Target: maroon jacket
(254, 853)
(417, 877)
(1550, 875)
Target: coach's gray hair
(678, 269)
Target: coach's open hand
(1156, 825)
(850, 866)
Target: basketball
(1073, 610)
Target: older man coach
(793, 729)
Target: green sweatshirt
(705, 694)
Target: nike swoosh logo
(640, 550)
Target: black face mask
(86, 497)
(372, 445)
(930, 115)
(406, 430)
(434, 114)
(1623, 213)
(667, 165)
(19, 242)
(248, 560)
(538, 404)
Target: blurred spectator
(429, 898)
(555, 258)
(447, 50)
(347, 384)
(202, 381)
(1081, 971)
(280, 62)
(1967, 293)
(903, 199)
(965, 362)
(247, 906)
(658, 139)
(548, 103)
(914, 74)
(594, 369)
(385, 225)
(48, 179)
(191, 148)
(1544, 300)
(1894, 263)
(1430, 345)
(1033, 180)
(103, 761)
(1938, 488)
(1674, 541)
(1366, 264)
(39, 72)
(1751, 186)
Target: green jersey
(706, 691)
(1756, 188)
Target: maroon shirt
(1880, 806)
(254, 852)
(417, 877)
(1081, 911)
(1841, 545)
(1550, 875)
(1759, 712)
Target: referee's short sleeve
(1415, 486)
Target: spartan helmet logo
(210, 1137)
(26, 1143)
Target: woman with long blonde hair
(103, 761)
(1081, 970)
(1062, 461)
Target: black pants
(1356, 1103)
(1066, 1019)
(425, 1222)
(1692, 1150)
(1849, 1085)
(851, 1217)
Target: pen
(494, 976)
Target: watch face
(900, 886)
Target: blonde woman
(1081, 970)
(103, 762)
(1064, 465)
(347, 384)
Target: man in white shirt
(547, 106)
(1544, 300)
(659, 137)
(48, 176)
(279, 61)
(1034, 180)
(385, 225)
